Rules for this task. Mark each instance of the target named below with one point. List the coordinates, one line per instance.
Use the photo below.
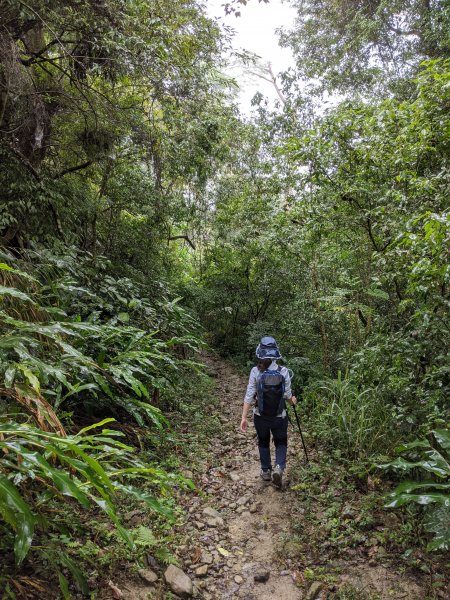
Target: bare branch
(84, 165)
(182, 237)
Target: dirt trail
(234, 528)
(255, 514)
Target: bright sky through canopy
(256, 32)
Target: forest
(147, 225)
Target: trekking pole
(300, 431)
(298, 422)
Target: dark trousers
(277, 426)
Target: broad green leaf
(31, 377)
(76, 573)
(96, 425)
(409, 486)
(377, 293)
(64, 586)
(24, 518)
(14, 293)
(423, 499)
(443, 437)
(150, 501)
(5, 267)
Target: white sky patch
(256, 32)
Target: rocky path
(235, 528)
(235, 525)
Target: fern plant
(430, 464)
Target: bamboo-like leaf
(5, 267)
(14, 293)
(96, 425)
(64, 586)
(24, 518)
(150, 501)
(30, 377)
(76, 573)
(106, 505)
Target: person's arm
(248, 399)
(287, 389)
(244, 422)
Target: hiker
(270, 384)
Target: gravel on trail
(235, 528)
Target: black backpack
(270, 393)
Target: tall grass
(353, 422)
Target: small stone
(314, 590)
(207, 558)
(211, 512)
(178, 581)
(215, 522)
(234, 476)
(238, 579)
(253, 508)
(201, 571)
(262, 576)
(244, 500)
(148, 576)
(151, 561)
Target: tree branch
(84, 165)
(182, 237)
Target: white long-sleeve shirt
(252, 386)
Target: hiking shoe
(266, 475)
(277, 476)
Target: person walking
(270, 384)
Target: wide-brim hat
(268, 348)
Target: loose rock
(201, 571)
(314, 590)
(148, 576)
(211, 512)
(262, 576)
(178, 582)
(207, 558)
(215, 522)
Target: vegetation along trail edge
(238, 535)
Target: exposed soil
(225, 550)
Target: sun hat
(268, 348)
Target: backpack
(270, 393)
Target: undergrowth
(79, 497)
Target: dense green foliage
(69, 355)
(135, 203)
